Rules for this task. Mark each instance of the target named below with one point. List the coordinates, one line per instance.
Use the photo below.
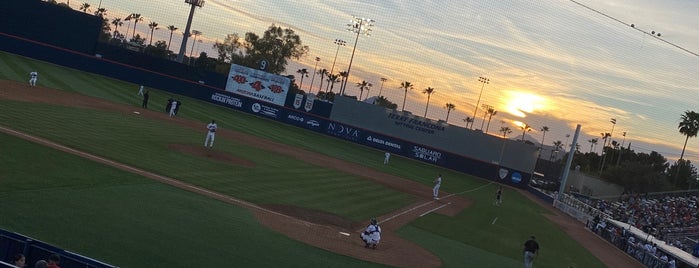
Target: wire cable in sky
(630, 25)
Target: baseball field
(84, 167)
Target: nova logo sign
(342, 131)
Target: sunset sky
(550, 63)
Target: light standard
(339, 43)
(313, 77)
(183, 46)
(358, 26)
(483, 80)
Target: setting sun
(520, 104)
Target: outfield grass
(131, 221)
(467, 240)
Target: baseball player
(498, 196)
(387, 155)
(371, 235)
(33, 76)
(437, 184)
(211, 134)
(173, 107)
(140, 91)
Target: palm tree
(383, 80)
(332, 79)
(85, 7)
(172, 30)
(491, 112)
(557, 145)
(303, 72)
(128, 27)
(689, 127)
(449, 106)
(195, 33)
(543, 129)
(101, 12)
(362, 86)
(525, 128)
(153, 26)
(343, 75)
(505, 130)
(592, 142)
(136, 18)
(322, 73)
(116, 22)
(405, 85)
(429, 91)
(605, 136)
(469, 121)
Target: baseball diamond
(318, 228)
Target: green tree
(382, 101)
(469, 121)
(85, 7)
(362, 86)
(332, 80)
(322, 73)
(689, 127)
(505, 130)
(172, 30)
(449, 106)
(343, 75)
(543, 129)
(405, 85)
(525, 128)
(116, 22)
(491, 112)
(158, 50)
(276, 46)
(153, 26)
(136, 18)
(592, 142)
(429, 91)
(304, 73)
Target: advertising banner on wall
(258, 84)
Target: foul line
(427, 203)
(430, 211)
(124, 167)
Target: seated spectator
(54, 260)
(40, 264)
(19, 260)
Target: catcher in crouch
(371, 235)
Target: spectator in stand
(19, 260)
(40, 264)
(54, 260)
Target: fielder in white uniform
(173, 106)
(140, 91)
(386, 158)
(33, 76)
(371, 235)
(437, 184)
(211, 134)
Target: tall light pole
(339, 43)
(185, 35)
(313, 77)
(358, 26)
(483, 80)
